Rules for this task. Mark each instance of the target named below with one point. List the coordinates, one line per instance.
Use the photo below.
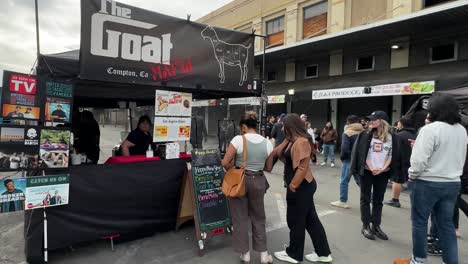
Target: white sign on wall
(378, 90)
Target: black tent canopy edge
(89, 93)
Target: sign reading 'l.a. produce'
(377, 90)
(122, 43)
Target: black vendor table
(132, 200)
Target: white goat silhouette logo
(230, 54)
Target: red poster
(23, 84)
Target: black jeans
(374, 186)
(301, 216)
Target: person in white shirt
(437, 163)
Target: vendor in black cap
(138, 140)
(374, 159)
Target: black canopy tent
(100, 94)
(218, 63)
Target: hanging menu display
(173, 104)
(172, 121)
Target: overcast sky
(60, 26)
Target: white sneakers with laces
(283, 256)
(315, 258)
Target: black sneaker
(393, 203)
(434, 250)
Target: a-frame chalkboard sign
(212, 215)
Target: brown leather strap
(244, 154)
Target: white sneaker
(323, 164)
(333, 164)
(315, 258)
(283, 256)
(245, 258)
(340, 204)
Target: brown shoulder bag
(233, 182)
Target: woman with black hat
(374, 159)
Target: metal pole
(37, 29)
(264, 97)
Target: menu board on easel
(212, 216)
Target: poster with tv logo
(21, 98)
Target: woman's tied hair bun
(249, 119)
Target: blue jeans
(344, 180)
(329, 150)
(438, 198)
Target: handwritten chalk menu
(210, 203)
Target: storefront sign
(47, 191)
(378, 90)
(122, 43)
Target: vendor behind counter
(138, 141)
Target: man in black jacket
(405, 135)
(354, 128)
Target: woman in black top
(269, 126)
(139, 139)
(88, 136)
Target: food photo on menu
(54, 148)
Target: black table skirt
(127, 199)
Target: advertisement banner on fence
(47, 191)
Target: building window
(271, 76)
(315, 20)
(429, 3)
(311, 71)
(275, 32)
(444, 53)
(365, 63)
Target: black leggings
(375, 186)
(301, 216)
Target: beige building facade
(320, 45)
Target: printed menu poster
(171, 129)
(12, 193)
(173, 104)
(47, 191)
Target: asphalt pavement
(342, 226)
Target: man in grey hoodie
(437, 163)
